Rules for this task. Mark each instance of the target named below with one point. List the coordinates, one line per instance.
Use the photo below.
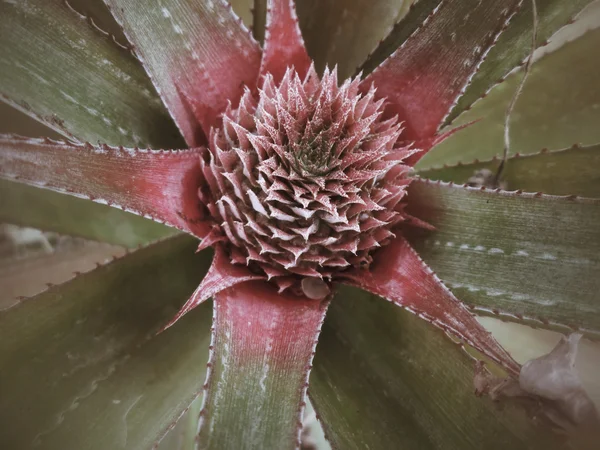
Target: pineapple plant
(304, 165)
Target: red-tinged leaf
(418, 13)
(385, 379)
(524, 257)
(65, 214)
(514, 45)
(262, 349)
(399, 275)
(423, 79)
(197, 53)
(284, 46)
(221, 275)
(161, 185)
(556, 108)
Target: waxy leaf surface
(514, 45)
(262, 349)
(572, 171)
(161, 185)
(384, 378)
(418, 13)
(400, 276)
(520, 256)
(557, 108)
(57, 68)
(425, 76)
(344, 32)
(82, 361)
(46, 210)
(197, 53)
(283, 46)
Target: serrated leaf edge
(506, 193)
(99, 265)
(515, 69)
(103, 149)
(543, 152)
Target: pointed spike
(221, 275)
(399, 275)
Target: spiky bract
(305, 179)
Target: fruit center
(305, 180)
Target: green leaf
(383, 378)
(55, 67)
(183, 435)
(198, 54)
(97, 13)
(28, 264)
(522, 256)
(515, 44)
(407, 25)
(190, 426)
(557, 108)
(263, 345)
(50, 211)
(572, 171)
(344, 32)
(82, 361)
(400, 276)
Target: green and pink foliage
(305, 188)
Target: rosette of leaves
(308, 201)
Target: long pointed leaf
(262, 349)
(160, 184)
(197, 53)
(385, 379)
(555, 110)
(221, 275)
(284, 46)
(424, 78)
(28, 267)
(343, 32)
(521, 256)
(400, 276)
(515, 44)
(401, 31)
(50, 211)
(98, 16)
(56, 67)
(572, 171)
(82, 362)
